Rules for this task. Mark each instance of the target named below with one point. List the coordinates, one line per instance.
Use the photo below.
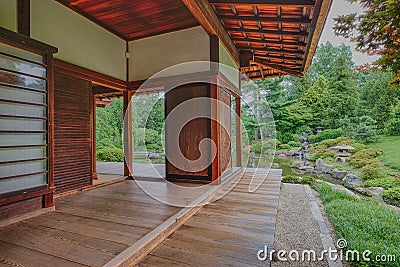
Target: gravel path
(296, 228)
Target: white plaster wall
(79, 41)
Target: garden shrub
(110, 155)
(294, 144)
(262, 146)
(284, 146)
(321, 151)
(385, 183)
(327, 134)
(357, 147)
(291, 179)
(337, 141)
(392, 195)
(372, 172)
(358, 158)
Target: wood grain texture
(191, 134)
(87, 229)
(225, 131)
(72, 132)
(228, 232)
(136, 19)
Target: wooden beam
(263, 2)
(245, 30)
(207, 18)
(278, 68)
(214, 53)
(257, 41)
(90, 75)
(94, 158)
(320, 15)
(128, 134)
(24, 17)
(272, 50)
(265, 19)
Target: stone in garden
(297, 164)
(307, 168)
(352, 181)
(375, 192)
(337, 174)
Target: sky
(341, 7)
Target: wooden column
(215, 133)
(128, 134)
(48, 199)
(94, 158)
(238, 132)
(24, 20)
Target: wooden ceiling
(135, 19)
(274, 37)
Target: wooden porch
(119, 224)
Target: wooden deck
(91, 228)
(228, 232)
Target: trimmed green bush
(385, 183)
(392, 195)
(284, 146)
(372, 172)
(293, 144)
(361, 157)
(326, 134)
(110, 155)
(291, 179)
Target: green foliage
(366, 130)
(392, 195)
(375, 30)
(385, 183)
(364, 157)
(392, 127)
(293, 144)
(390, 146)
(327, 134)
(259, 147)
(291, 179)
(109, 124)
(364, 224)
(284, 146)
(371, 171)
(110, 155)
(357, 147)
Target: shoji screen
(23, 120)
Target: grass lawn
(391, 150)
(364, 224)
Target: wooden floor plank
(14, 255)
(227, 232)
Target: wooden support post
(24, 20)
(94, 160)
(238, 132)
(128, 134)
(215, 133)
(48, 199)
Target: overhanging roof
(273, 37)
